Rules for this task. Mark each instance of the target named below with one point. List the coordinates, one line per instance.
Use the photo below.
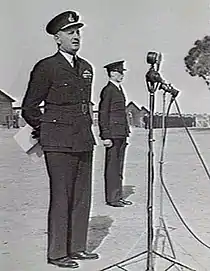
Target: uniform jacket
(112, 113)
(66, 120)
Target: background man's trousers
(70, 198)
(114, 164)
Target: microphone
(153, 77)
(169, 88)
(158, 61)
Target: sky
(115, 30)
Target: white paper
(24, 138)
(28, 144)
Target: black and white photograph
(104, 135)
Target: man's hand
(36, 133)
(107, 143)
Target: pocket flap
(57, 117)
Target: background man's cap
(62, 21)
(115, 66)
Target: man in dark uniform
(63, 81)
(114, 130)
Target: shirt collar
(115, 83)
(68, 57)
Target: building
(202, 120)
(172, 121)
(6, 111)
(136, 115)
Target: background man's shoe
(64, 262)
(83, 255)
(126, 202)
(115, 204)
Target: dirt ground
(115, 233)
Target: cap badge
(71, 18)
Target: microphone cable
(161, 171)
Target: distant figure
(146, 120)
(16, 121)
(114, 131)
(64, 81)
(8, 121)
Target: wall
(5, 109)
(172, 121)
(135, 116)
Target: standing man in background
(64, 81)
(114, 131)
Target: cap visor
(116, 70)
(79, 25)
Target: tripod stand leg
(124, 261)
(169, 238)
(174, 261)
(166, 236)
(170, 266)
(120, 267)
(158, 236)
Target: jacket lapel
(64, 64)
(114, 86)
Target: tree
(197, 61)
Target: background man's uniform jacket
(112, 113)
(66, 121)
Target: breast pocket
(63, 92)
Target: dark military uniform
(113, 125)
(67, 140)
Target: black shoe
(64, 262)
(83, 255)
(115, 204)
(126, 202)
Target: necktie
(120, 88)
(75, 63)
(74, 60)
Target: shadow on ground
(98, 230)
(128, 190)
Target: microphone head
(159, 59)
(154, 58)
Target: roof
(7, 96)
(145, 109)
(140, 109)
(132, 103)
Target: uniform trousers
(70, 177)
(114, 165)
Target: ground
(115, 233)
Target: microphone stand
(150, 265)
(162, 230)
(153, 81)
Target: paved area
(116, 234)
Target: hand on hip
(107, 143)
